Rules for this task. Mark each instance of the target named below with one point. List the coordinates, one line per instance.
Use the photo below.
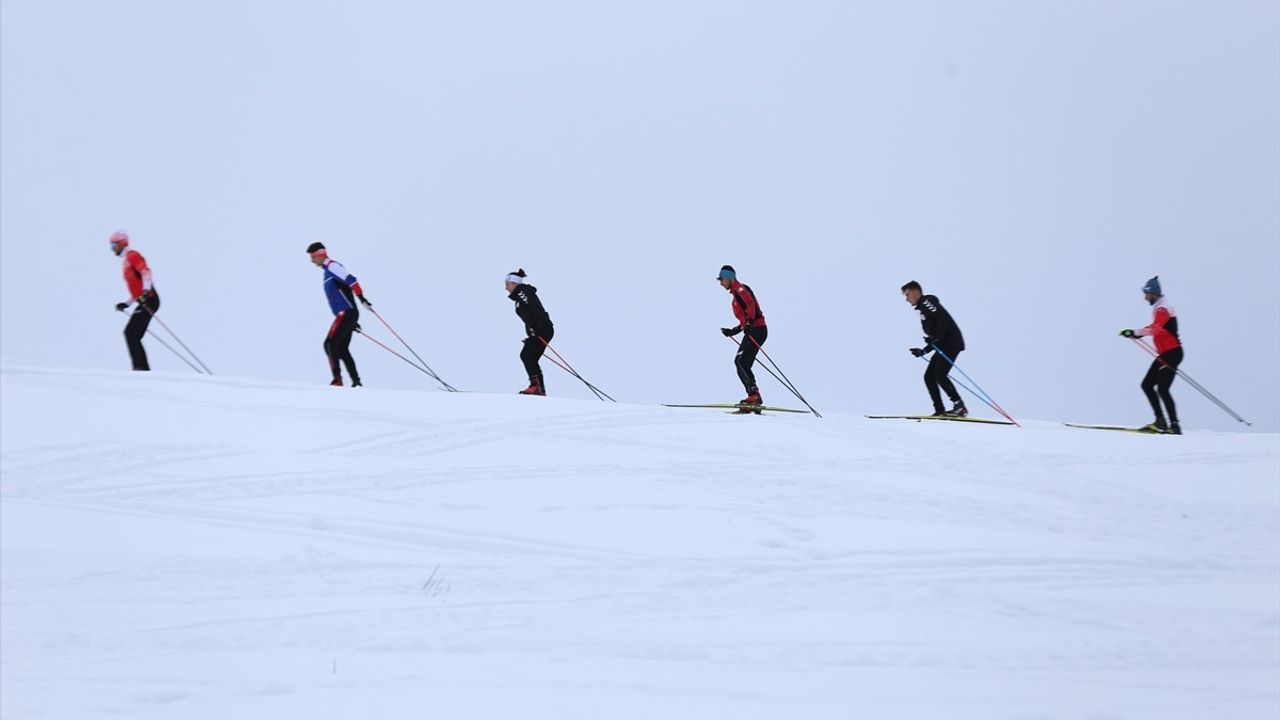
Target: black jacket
(536, 320)
(939, 325)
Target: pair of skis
(740, 409)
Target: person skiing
(941, 333)
(341, 288)
(751, 322)
(1160, 376)
(538, 328)
(142, 294)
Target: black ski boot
(958, 410)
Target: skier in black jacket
(537, 328)
(940, 330)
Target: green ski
(980, 421)
(1117, 428)
(735, 406)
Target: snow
(195, 547)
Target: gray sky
(1030, 163)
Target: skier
(341, 289)
(750, 321)
(1164, 331)
(940, 330)
(137, 277)
(538, 329)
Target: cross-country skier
(750, 322)
(142, 294)
(538, 329)
(1164, 331)
(341, 289)
(940, 330)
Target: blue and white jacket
(340, 287)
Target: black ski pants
(1160, 377)
(745, 359)
(532, 352)
(936, 380)
(337, 344)
(137, 327)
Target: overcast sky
(1032, 164)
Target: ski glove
(730, 332)
(919, 352)
(121, 307)
(930, 341)
(365, 300)
(1127, 333)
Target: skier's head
(727, 277)
(119, 241)
(515, 280)
(1151, 291)
(317, 252)
(912, 292)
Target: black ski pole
(781, 376)
(1200, 388)
(175, 337)
(384, 346)
(168, 347)
(569, 368)
(427, 367)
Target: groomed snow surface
(183, 547)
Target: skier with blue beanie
(1163, 330)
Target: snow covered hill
(180, 547)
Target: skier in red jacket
(751, 322)
(1164, 331)
(142, 294)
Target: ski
(734, 406)
(980, 421)
(1117, 428)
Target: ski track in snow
(211, 548)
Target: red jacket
(137, 276)
(745, 306)
(1163, 329)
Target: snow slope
(180, 547)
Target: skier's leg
(133, 332)
(931, 374)
(944, 377)
(743, 361)
(1149, 383)
(1165, 380)
(342, 344)
(530, 354)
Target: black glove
(358, 328)
(730, 332)
(365, 300)
(121, 307)
(930, 341)
(919, 352)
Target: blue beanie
(727, 273)
(1153, 286)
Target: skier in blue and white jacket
(341, 289)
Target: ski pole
(430, 372)
(175, 337)
(563, 367)
(382, 345)
(981, 394)
(575, 373)
(1190, 381)
(786, 381)
(168, 347)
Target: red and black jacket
(745, 306)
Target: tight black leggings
(1160, 377)
(745, 359)
(937, 382)
(337, 344)
(532, 352)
